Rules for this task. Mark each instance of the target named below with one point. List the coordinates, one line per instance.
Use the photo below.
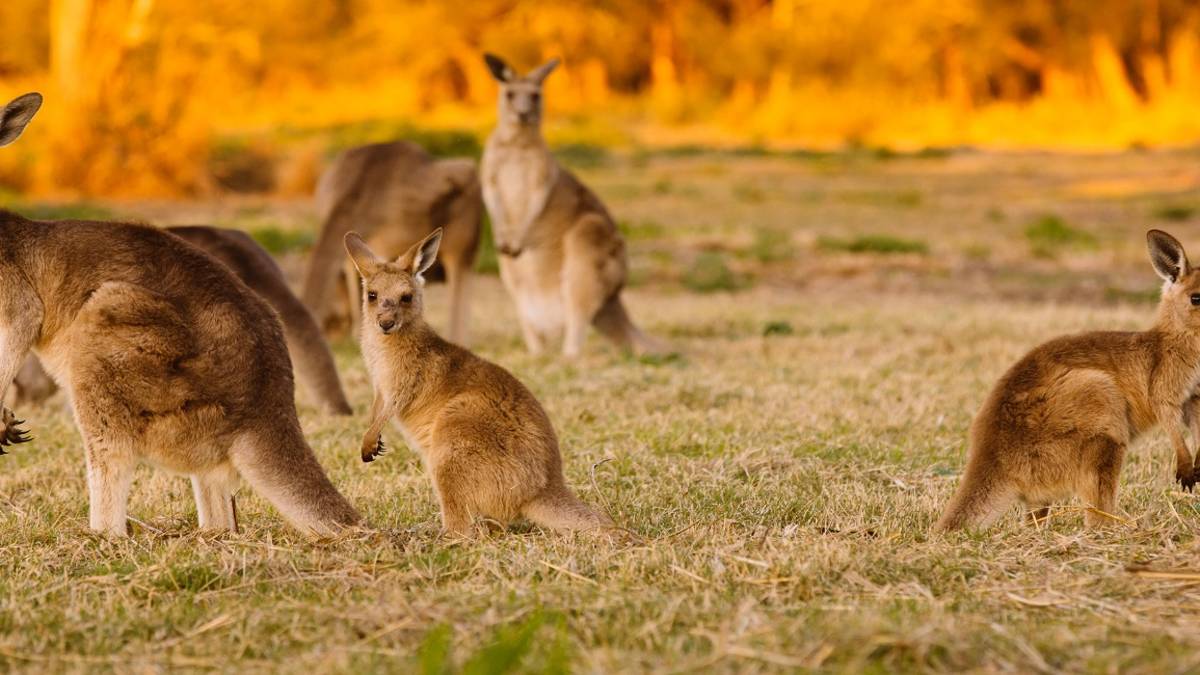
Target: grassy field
(839, 319)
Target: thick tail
(613, 321)
(281, 467)
(311, 357)
(327, 256)
(981, 498)
(561, 510)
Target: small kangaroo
(562, 259)
(1059, 421)
(485, 440)
(310, 353)
(395, 194)
(167, 358)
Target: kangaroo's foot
(10, 431)
(1185, 476)
(371, 451)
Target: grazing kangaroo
(562, 258)
(167, 358)
(1059, 421)
(396, 193)
(311, 358)
(485, 440)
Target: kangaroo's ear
(500, 70)
(16, 115)
(361, 255)
(538, 74)
(420, 257)
(1167, 255)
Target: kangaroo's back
(310, 353)
(394, 194)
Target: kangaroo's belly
(535, 283)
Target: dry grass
(784, 472)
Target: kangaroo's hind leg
(213, 491)
(109, 478)
(593, 270)
(1104, 457)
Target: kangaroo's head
(520, 96)
(392, 291)
(16, 115)
(1180, 303)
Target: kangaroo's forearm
(372, 441)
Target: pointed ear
(361, 255)
(500, 70)
(538, 74)
(1167, 255)
(420, 257)
(16, 115)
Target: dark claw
(377, 451)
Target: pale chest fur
(517, 181)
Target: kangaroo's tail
(311, 356)
(281, 467)
(613, 321)
(560, 509)
(981, 498)
(326, 260)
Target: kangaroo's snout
(387, 325)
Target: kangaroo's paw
(370, 452)
(1186, 477)
(10, 431)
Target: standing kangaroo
(396, 193)
(167, 358)
(562, 258)
(485, 440)
(310, 353)
(1059, 421)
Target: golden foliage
(138, 89)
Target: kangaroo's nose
(387, 324)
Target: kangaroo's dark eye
(536, 97)
(371, 296)
(406, 298)
(509, 95)
(1195, 298)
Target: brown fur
(562, 258)
(167, 358)
(486, 441)
(1059, 422)
(395, 194)
(311, 358)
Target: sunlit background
(195, 97)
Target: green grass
(280, 241)
(486, 259)
(1174, 213)
(710, 273)
(873, 243)
(62, 210)
(1051, 234)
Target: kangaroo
(396, 193)
(485, 440)
(310, 353)
(1059, 421)
(561, 257)
(167, 358)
